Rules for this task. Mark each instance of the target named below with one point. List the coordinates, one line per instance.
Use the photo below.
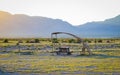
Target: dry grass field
(104, 61)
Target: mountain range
(20, 25)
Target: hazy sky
(73, 11)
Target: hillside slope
(20, 25)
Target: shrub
(37, 40)
(27, 41)
(99, 41)
(5, 41)
(87, 40)
(55, 40)
(72, 41)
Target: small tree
(5, 41)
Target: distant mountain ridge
(107, 28)
(20, 25)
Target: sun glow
(75, 12)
